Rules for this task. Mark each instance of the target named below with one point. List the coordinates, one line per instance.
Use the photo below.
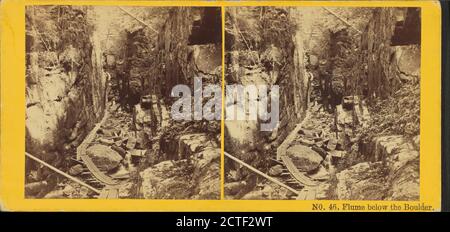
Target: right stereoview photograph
(322, 103)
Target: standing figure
(325, 85)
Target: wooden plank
(103, 193)
(97, 173)
(300, 177)
(113, 193)
(81, 149)
(281, 150)
(302, 195)
(311, 194)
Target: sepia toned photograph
(322, 103)
(102, 83)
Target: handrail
(61, 172)
(262, 174)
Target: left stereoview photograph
(114, 103)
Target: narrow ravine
(99, 85)
(349, 103)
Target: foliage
(56, 27)
(398, 114)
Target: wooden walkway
(110, 190)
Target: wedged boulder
(304, 158)
(104, 157)
(408, 62)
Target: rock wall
(391, 172)
(181, 52)
(65, 85)
(294, 84)
(185, 163)
(273, 55)
(265, 46)
(391, 45)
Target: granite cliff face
(65, 84)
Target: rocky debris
(69, 190)
(161, 181)
(336, 156)
(76, 170)
(193, 143)
(183, 139)
(55, 194)
(304, 158)
(122, 152)
(104, 157)
(331, 144)
(276, 170)
(107, 142)
(233, 188)
(195, 178)
(206, 173)
(127, 190)
(320, 174)
(268, 191)
(35, 187)
(363, 181)
(394, 170)
(404, 182)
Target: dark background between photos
(445, 107)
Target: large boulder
(363, 181)
(207, 174)
(393, 173)
(167, 180)
(304, 158)
(198, 178)
(104, 157)
(405, 182)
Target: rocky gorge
(98, 102)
